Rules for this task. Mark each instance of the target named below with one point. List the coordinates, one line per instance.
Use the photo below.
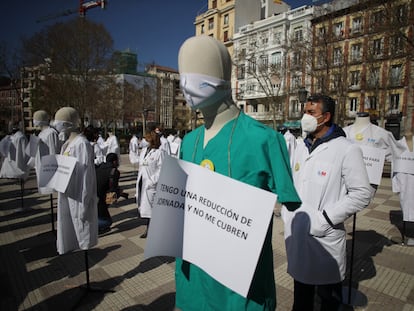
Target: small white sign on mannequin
(210, 220)
(374, 162)
(404, 163)
(56, 171)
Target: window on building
(210, 23)
(202, 28)
(355, 79)
(394, 102)
(322, 32)
(376, 19)
(353, 104)
(296, 106)
(397, 44)
(377, 45)
(264, 62)
(356, 24)
(276, 59)
(214, 4)
(252, 65)
(400, 14)
(241, 72)
(296, 59)
(296, 82)
(356, 54)
(277, 35)
(320, 82)
(374, 77)
(336, 81)
(337, 56)
(371, 103)
(396, 75)
(298, 34)
(226, 19)
(339, 29)
(225, 36)
(265, 38)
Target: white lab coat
(333, 179)
(49, 144)
(375, 136)
(112, 145)
(77, 212)
(15, 163)
(165, 146)
(403, 184)
(175, 145)
(148, 174)
(134, 150)
(290, 144)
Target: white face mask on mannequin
(309, 123)
(63, 126)
(201, 90)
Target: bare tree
(77, 54)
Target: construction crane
(83, 7)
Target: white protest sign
(31, 148)
(56, 171)
(374, 163)
(404, 163)
(199, 215)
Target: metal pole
(352, 260)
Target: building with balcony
(173, 112)
(224, 17)
(363, 57)
(271, 65)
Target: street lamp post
(303, 95)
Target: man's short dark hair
(111, 157)
(328, 104)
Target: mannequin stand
(52, 216)
(353, 296)
(88, 288)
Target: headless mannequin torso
(362, 120)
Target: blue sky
(154, 29)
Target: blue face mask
(202, 90)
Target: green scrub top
(251, 152)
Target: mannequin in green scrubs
(233, 144)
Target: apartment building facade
(270, 66)
(363, 57)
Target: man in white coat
(330, 176)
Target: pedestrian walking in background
(148, 174)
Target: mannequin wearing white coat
(365, 133)
(49, 143)
(332, 182)
(77, 214)
(15, 161)
(112, 145)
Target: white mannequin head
(205, 72)
(66, 120)
(41, 119)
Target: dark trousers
(330, 296)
